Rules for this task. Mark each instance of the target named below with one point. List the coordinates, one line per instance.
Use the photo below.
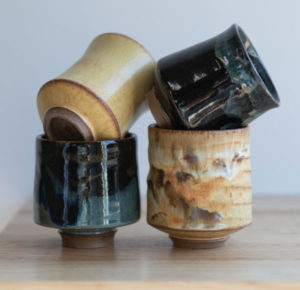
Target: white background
(41, 39)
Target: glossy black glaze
(217, 84)
(86, 186)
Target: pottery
(101, 95)
(86, 189)
(199, 184)
(217, 84)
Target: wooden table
(267, 251)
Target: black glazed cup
(86, 189)
(217, 84)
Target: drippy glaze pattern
(199, 184)
(86, 187)
(218, 84)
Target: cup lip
(270, 87)
(196, 131)
(129, 137)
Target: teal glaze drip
(66, 182)
(85, 208)
(92, 205)
(41, 216)
(127, 209)
(130, 202)
(242, 71)
(235, 65)
(89, 186)
(233, 60)
(216, 84)
(105, 200)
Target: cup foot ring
(198, 243)
(87, 241)
(64, 124)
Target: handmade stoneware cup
(199, 184)
(86, 189)
(101, 95)
(217, 84)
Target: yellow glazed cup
(199, 184)
(101, 95)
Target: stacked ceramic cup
(204, 97)
(199, 186)
(86, 182)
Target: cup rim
(129, 137)
(154, 126)
(266, 81)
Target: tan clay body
(102, 94)
(199, 184)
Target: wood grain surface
(150, 285)
(266, 251)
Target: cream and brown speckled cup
(101, 95)
(199, 184)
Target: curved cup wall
(86, 186)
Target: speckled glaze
(218, 84)
(86, 188)
(199, 184)
(101, 95)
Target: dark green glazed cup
(217, 84)
(86, 189)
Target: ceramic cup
(199, 184)
(217, 84)
(101, 95)
(86, 189)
